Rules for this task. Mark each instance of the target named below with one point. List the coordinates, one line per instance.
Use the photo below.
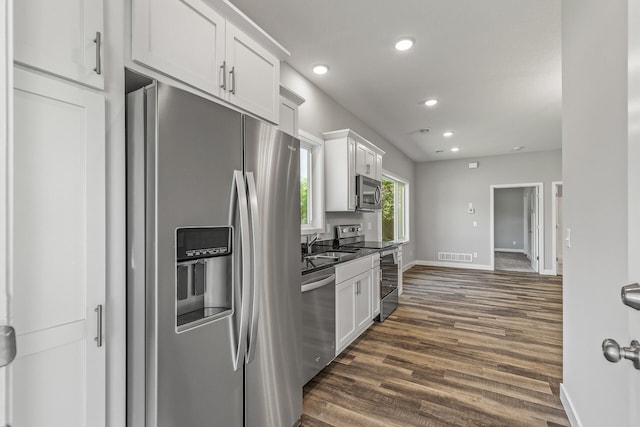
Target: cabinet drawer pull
(98, 42)
(223, 69)
(232, 73)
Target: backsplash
(365, 218)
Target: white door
(6, 89)
(61, 37)
(56, 260)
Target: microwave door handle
(377, 195)
(256, 248)
(239, 200)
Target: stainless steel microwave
(368, 194)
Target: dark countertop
(309, 266)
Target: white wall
(594, 131)
(321, 113)
(444, 190)
(509, 218)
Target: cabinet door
(375, 291)
(57, 253)
(345, 314)
(361, 159)
(253, 79)
(58, 37)
(183, 39)
(363, 301)
(378, 175)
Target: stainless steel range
(349, 236)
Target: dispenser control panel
(196, 243)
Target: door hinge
(537, 258)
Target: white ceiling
(494, 65)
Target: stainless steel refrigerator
(213, 283)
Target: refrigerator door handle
(239, 197)
(256, 248)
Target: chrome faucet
(311, 240)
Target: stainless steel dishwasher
(318, 321)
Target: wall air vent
(456, 257)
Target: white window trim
(407, 201)
(317, 182)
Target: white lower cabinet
(355, 291)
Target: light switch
(475, 223)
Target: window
(306, 185)
(311, 183)
(395, 211)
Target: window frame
(405, 214)
(315, 192)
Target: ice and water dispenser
(204, 270)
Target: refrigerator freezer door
(273, 377)
(192, 148)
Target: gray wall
(445, 188)
(321, 113)
(509, 218)
(594, 63)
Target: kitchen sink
(330, 255)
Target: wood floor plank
(464, 348)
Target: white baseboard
(405, 267)
(518, 251)
(468, 266)
(547, 273)
(574, 420)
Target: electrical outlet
(368, 226)
(475, 254)
(514, 243)
(328, 228)
(475, 223)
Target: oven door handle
(320, 283)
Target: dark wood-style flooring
(465, 348)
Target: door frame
(554, 226)
(539, 215)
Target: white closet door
(58, 37)
(57, 253)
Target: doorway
(517, 232)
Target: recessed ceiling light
(517, 148)
(430, 102)
(320, 69)
(455, 149)
(447, 134)
(404, 43)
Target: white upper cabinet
(365, 161)
(184, 39)
(61, 37)
(189, 41)
(253, 81)
(347, 154)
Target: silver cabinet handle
(223, 69)
(98, 42)
(239, 199)
(8, 348)
(232, 74)
(98, 338)
(256, 245)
